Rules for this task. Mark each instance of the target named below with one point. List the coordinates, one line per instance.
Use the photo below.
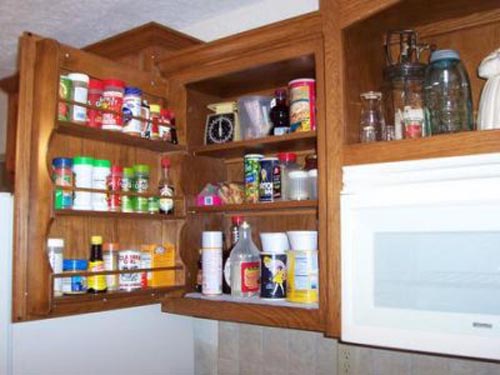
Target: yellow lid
(96, 240)
(154, 108)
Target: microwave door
(422, 277)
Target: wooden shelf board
(459, 144)
(264, 206)
(120, 215)
(246, 310)
(82, 131)
(290, 142)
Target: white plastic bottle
(55, 248)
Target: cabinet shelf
(301, 141)
(246, 310)
(256, 207)
(118, 215)
(458, 144)
(82, 131)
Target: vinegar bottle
(245, 265)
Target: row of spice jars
(115, 107)
(110, 257)
(269, 179)
(98, 174)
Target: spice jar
(145, 125)
(146, 262)
(62, 175)
(79, 93)
(65, 88)
(100, 174)
(82, 169)
(132, 108)
(110, 258)
(154, 115)
(288, 163)
(75, 284)
(141, 185)
(127, 185)
(311, 162)
(165, 128)
(94, 116)
(112, 100)
(114, 185)
(55, 248)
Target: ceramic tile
(464, 367)
(229, 334)
(251, 367)
(205, 359)
(386, 362)
(301, 352)
(356, 360)
(326, 356)
(275, 347)
(228, 367)
(250, 342)
(429, 365)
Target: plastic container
(302, 277)
(94, 116)
(82, 169)
(288, 163)
(62, 175)
(110, 258)
(154, 123)
(298, 185)
(112, 99)
(79, 93)
(141, 185)
(75, 284)
(447, 95)
(100, 175)
(253, 112)
(132, 101)
(55, 249)
(274, 242)
(303, 239)
(127, 184)
(312, 176)
(114, 185)
(65, 88)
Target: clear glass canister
(448, 100)
(372, 122)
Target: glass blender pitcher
(404, 82)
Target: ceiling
(79, 23)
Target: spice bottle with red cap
(288, 163)
(114, 186)
(166, 189)
(112, 101)
(94, 116)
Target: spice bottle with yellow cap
(97, 283)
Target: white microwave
(420, 253)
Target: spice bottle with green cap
(127, 185)
(141, 185)
(100, 175)
(82, 169)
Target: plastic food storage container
(253, 112)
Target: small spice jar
(146, 262)
(110, 258)
(65, 88)
(154, 115)
(62, 175)
(79, 94)
(82, 169)
(94, 116)
(132, 108)
(127, 185)
(55, 249)
(165, 125)
(75, 284)
(141, 185)
(100, 174)
(112, 100)
(114, 185)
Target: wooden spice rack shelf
(253, 311)
(458, 144)
(295, 142)
(118, 215)
(255, 207)
(83, 131)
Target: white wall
(249, 17)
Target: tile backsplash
(243, 349)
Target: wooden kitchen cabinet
(258, 61)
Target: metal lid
(83, 160)
(444, 54)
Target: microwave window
(456, 272)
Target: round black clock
(219, 128)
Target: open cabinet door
(42, 137)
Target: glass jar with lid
(372, 122)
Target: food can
(273, 276)
(65, 87)
(302, 104)
(270, 180)
(252, 174)
(129, 260)
(74, 284)
(302, 285)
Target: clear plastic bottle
(245, 265)
(447, 95)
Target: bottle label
(250, 277)
(166, 201)
(98, 282)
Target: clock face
(220, 128)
